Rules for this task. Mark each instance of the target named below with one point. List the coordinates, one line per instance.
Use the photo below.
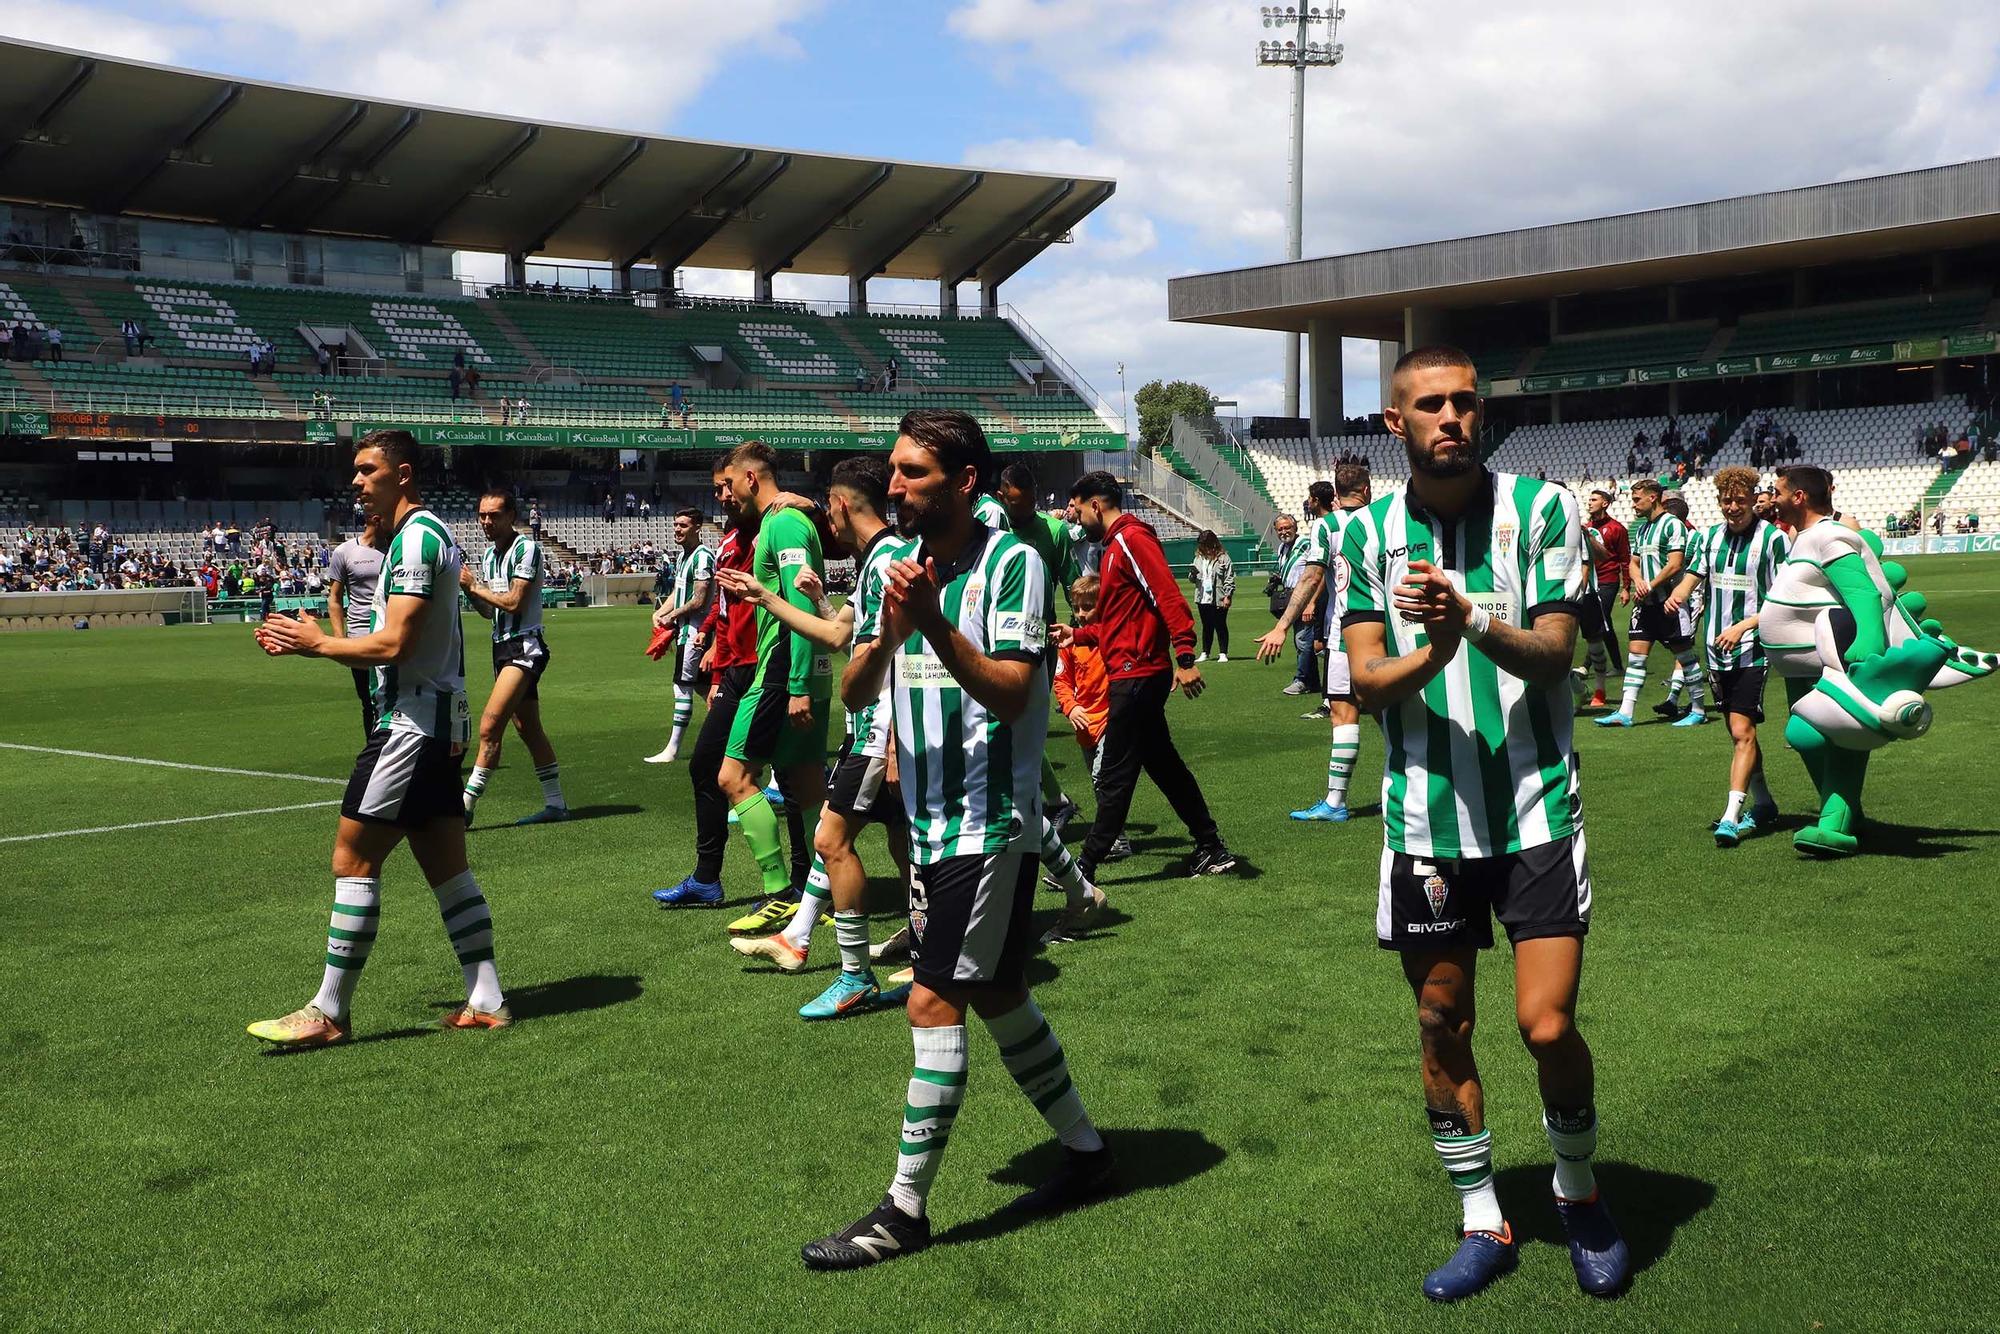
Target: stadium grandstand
(239, 278)
(1852, 325)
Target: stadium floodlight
(1298, 55)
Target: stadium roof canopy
(112, 136)
(1365, 295)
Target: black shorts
(405, 779)
(528, 652)
(969, 919)
(1593, 610)
(1740, 690)
(1429, 904)
(860, 790)
(1652, 622)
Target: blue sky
(1448, 118)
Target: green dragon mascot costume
(1856, 654)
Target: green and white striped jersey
(1738, 568)
(1321, 546)
(1478, 763)
(696, 567)
(426, 691)
(1654, 540)
(868, 727)
(972, 783)
(499, 569)
(989, 511)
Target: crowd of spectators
(1682, 454)
(58, 559)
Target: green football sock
(759, 824)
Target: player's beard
(909, 519)
(1458, 464)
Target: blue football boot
(690, 893)
(1596, 1250)
(1481, 1257)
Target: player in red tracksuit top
(1145, 636)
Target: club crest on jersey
(1503, 539)
(1438, 892)
(917, 919)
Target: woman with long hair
(1214, 589)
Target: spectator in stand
(324, 359)
(646, 511)
(535, 520)
(521, 410)
(6, 343)
(890, 373)
(458, 361)
(1214, 590)
(472, 378)
(631, 505)
(235, 535)
(610, 508)
(55, 343)
(455, 379)
(677, 398)
(1146, 636)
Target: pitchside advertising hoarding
(1943, 544)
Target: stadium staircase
(504, 322)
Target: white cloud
(624, 63)
(53, 23)
(1449, 118)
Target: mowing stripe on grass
(154, 824)
(170, 764)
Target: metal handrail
(1176, 492)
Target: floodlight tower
(1299, 54)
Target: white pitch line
(170, 764)
(154, 824)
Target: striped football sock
(937, 1087)
(683, 710)
(550, 776)
(1035, 1059)
(357, 908)
(1340, 762)
(850, 930)
(1635, 680)
(1062, 866)
(1573, 1136)
(1678, 682)
(468, 922)
(1690, 676)
(1468, 1161)
(475, 786)
(818, 893)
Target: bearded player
(1460, 629)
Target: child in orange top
(1081, 689)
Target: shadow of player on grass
(1650, 1206)
(1147, 1160)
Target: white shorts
(1338, 686)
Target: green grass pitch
(1792, 1084)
